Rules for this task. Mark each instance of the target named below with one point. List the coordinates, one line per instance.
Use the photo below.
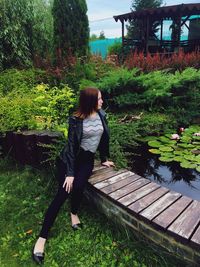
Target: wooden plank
(101, 171)
(129, 188)
(103, 176)
(196, 236)
(159, 205)
(98, 168)
(146, 201)
(172, 212)
(134, 196)
(113, 187)
(114, 179)
(185, 224)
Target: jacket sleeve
(70, 152)
(104, 142)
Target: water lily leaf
(167, 155)
(154, 144)
(166, 148)
(198, 157)
(165, 159)
(197, 160)
(179, 152)
(164, 139)
(187, 164)
(154, 151)
(195, 143)
(178, 158)
(148, 138)
(189, 157)
(196, 138)
(168, 135)
(198, 168)
(186, 145)
(185, 139)
(192, 129)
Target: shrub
(157, 61)
(21, 80)
(40, 108)
(115, 49)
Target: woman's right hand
(68, 183)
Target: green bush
(115, 49)
(91, 69)
(118, 81)
(177, 93)
(21, 80)
(42, 107)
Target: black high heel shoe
(77, 226)
(38, 257)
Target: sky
(100, 14)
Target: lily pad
(164, 139)
(155, 151)
(187, 164)
(186, 139)
(178, 158)
(167, 155)
(179, 152)
(165, 159)
(154, 143)
(189, 157)
(186, 145)
(198, 168)
(147, 138)
(166, 148)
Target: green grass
(24, 196)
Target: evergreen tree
(71, 27)
(42, 27)
(136, 29)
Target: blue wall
(100, 47)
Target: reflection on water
(170, 175)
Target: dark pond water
(170, 175)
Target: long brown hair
(88, 102)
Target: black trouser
(83, 169)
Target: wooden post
(122, 21)
(147, 35)
(179, 31)
(161, 32)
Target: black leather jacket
(71, 149)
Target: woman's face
(100, 101)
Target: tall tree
(135, 29)
(71, 27)
(42, 27)
(15, 33)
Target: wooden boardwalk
(166, 211)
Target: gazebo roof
(162, 12)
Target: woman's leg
(83, 173)
(53, 210)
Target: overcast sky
(101, 12)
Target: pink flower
(175, 137)
(196, 134)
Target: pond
(167, 174)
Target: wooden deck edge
(149, 231)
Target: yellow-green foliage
(39, 107)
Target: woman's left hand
(108, 163)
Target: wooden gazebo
(183, 14)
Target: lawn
(24, 195)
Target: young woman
(88, 132)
